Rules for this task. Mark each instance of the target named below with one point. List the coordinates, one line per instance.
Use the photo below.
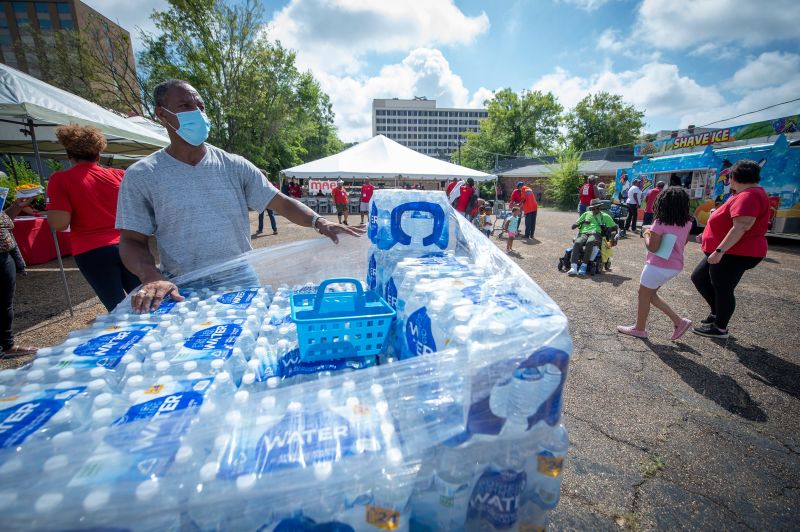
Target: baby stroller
(619, 213)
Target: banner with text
(318, 185)
(766, 128)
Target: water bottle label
(116, 342)
(496, 496)
(448, 491)
(391, 293)
(23, 419)
(419, 336)
(89, 362)
(240, 299)
(292, 364)
(372, 273)
(372, 227)
(306, 524)
(211, 342)
(383, 518)
(302, 439)
(166, 306)
(192, 396)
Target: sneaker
(274, 232)
(631, 330)
(710, 331)
(680, 330)
(573, 270)
(582, 270)
(608, 266)
(345, 222)
(709, 320)
(259, 232)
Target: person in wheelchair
(593, 226)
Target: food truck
(705, 176)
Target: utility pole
(459, 152)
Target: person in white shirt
(633, 201)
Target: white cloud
(133, 16)
(424, 72)
(335, 35)
(681, 24)
(586, 5)
(608, 40)
(768, 69)
(656, 88)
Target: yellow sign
(154, 389)
(383, 518)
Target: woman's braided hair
(672, 207)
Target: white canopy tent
(30, 110)
(380, 157)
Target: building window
(62, 7)
(67, 24)
(45, 24)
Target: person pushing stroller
(592, 226)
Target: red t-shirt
(750, 202)
(586, 194)
(340, 195)
(296, 191)
(529, 203)
(463, 198)
(516, 197)
(89, 193)
(650, 198)
(450, 186)
(366, 192)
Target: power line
(751, 112)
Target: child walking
(672, 224)
(511, 226)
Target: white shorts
(654, 276)
(363, 207)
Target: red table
(35, 241)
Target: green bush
(486, 190)
(565, 180)
(19, 172)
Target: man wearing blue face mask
(194, 197)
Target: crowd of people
(112, 219)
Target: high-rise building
(28, 42)
(421, 126)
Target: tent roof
(23, 96)
(584, 167)
(380, 157)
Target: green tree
(602, 120)
(259, 104)
(517, 124)
(565, 179)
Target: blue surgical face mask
(193, 126)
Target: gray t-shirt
(197, 213)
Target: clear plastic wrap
(205, 414)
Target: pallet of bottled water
(204, 414)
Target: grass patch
(652, 465)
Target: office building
(421, 126)
(28, 42)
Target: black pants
(271, 221)
(530, 224)
(716, 283)
(8, 283)
(633, 215)
(105, 273)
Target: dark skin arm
(135, 254)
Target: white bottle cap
(176, 337)
(35, 375)
(233, 417)
(134, 382)
(209, 471)
(48, 502)
(162, 366)
(62, 416)
(102, 416)
(497, 327)
(190, 366)
(164, 379)
(248, 379)
(12, 465)
(97, 372)
(322, 470)
(30, 388)
(461, 333)
(134, 368)
(194, 375)
(155, 347)
(66, 374)
(241, 396)
(324, 395)
(295, 407)
(96, 499)
(95, 385)
(246, 482)
(217, 364)
(55, 462)
(394, 455)
(184, 454)
(273, 382)
(38, 363)
(268, 403)
(126, 359)
(103, 400)
(376, 389)
(62, 438)
(147, 490)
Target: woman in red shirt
(84, 198)
(733, 241)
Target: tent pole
(40, 168)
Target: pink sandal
(631, 330)
(680, 330)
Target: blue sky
(681, 61)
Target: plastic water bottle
(498, 487)
(545, 481)
(442, 504)
(409, 219)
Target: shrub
(565, 180)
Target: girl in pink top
(671, 210)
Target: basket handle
(435, 209)
(358, 303)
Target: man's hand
(715, 257)
(332, 230)
(22, 202)
(151, 294)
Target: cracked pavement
(720, 415)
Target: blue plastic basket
(333, 325)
